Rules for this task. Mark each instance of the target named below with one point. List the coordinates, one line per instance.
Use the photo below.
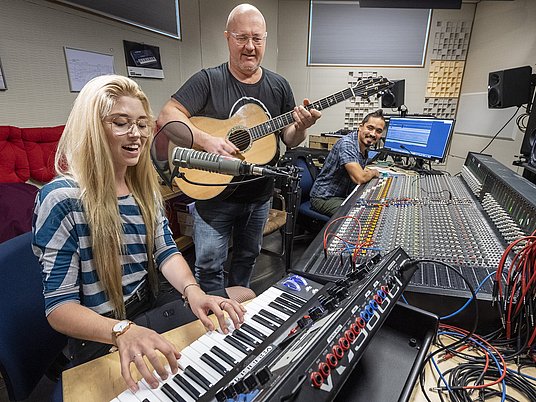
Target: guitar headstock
(367, 87)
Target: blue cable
(522, 374)
(441, 375)
(470, 299)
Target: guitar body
(259, 151)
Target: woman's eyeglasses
(122, 125)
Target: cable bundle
(515, 292)
(482, 375)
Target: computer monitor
(420, 138)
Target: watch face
(120, 326)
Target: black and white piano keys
(204, 362)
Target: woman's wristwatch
(119, 329)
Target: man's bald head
(240, 11)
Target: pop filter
(173, 134)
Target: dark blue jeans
(214, 223)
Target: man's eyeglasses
(122, 125)
(257, 40)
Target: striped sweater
(62, 242)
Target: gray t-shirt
(216, 93)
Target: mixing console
(460, 221)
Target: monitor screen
(419, 137)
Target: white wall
(34, 32)
(504, 36)
(316, 82)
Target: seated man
(345, 165)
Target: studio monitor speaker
(507, 88)
(394, 97)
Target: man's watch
(119, 329)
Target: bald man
(219, 92)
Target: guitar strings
(286, 119)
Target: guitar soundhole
(241, 139)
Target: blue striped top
(62, 242)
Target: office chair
(307, 217)
(28, 345)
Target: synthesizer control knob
(360, 321)
(240, 387)
(337, 351)
(250, 382)
(263, 375)
(331, 360)
(344, 343)
(349, 335)
(324, 369)
(316, 379)
(355, 329)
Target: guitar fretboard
(367, 88)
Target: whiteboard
(475, 118)
(83, 65)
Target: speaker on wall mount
(507, 88)
(394, 96)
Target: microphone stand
(292, 200)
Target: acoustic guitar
(254, 135)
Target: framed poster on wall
(143, 60)
(83, 65)
(3, 85)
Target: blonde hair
(84, 155)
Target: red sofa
(25, 153)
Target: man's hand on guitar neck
(303, 119)
(217, 145)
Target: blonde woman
(102, 237)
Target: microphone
(192, 159)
